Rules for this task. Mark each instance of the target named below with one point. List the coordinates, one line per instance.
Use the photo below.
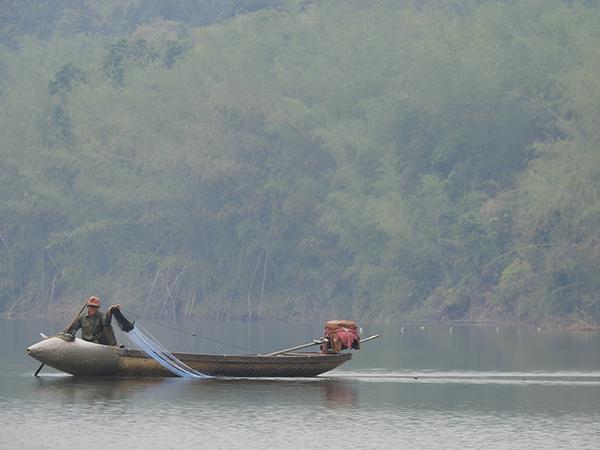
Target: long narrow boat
(81, 358)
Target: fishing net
(149, 345)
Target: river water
(430, 386)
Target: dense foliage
(299, 159)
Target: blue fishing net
(149, 345)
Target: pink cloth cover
(347, 335)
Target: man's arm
(108, 316)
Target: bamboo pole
(315, 342)
(310, 344)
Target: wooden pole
(370, 338)
(75, 318)
(310, 344)
(38, 371)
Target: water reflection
(333, 393)
(415, 388)
(82, 390)
(339, 393)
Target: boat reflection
(340, 393)
(331, 393)
(82, 389)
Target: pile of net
(340, 335)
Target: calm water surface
(430, 387)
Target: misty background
(300, 160)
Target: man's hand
(109, 313)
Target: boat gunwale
(296, 357)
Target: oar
(64, 331)
(38, 371)
(315, 342)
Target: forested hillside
(383, 160)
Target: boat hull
(83, 358)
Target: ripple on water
(563, 377)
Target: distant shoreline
(564, 324)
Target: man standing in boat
(95, 325)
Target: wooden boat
(82, 358)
